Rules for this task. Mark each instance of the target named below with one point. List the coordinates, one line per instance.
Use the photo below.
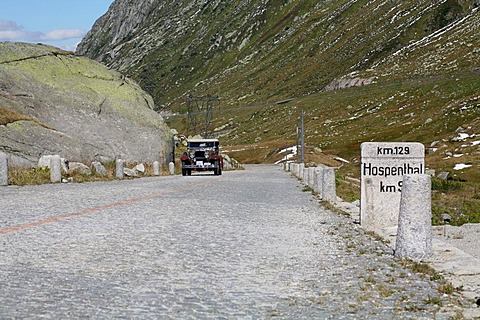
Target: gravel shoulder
(456, 255)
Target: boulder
(78, 167)
(99, 168)
(443, 175)
(130, 172)
(344, 83)
(446, 218)
(139, 168)
(74, 107)
(44, 162)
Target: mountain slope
(253, 51)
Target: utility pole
(303, 135)
(209, 116)
(192, 116)
(297, 158)
(196, 106)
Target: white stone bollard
(171, 168)
(3, 169)
(301, 168)
(119, 167)
(318, 181)
(55, 169)
(305, 176)
(156, 168)
(294, 168)
(311, 173)
(329, 191)
(414, 235)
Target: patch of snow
(475, 143)
(289, 157)
(291, 153)
(290, 149)
(461, 166)
(342, 160)
(463, 136)
(458, 155)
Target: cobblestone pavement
(246, 245)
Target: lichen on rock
(73, 106)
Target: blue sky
(61, 23)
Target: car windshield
(203, 144)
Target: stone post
(294, 168)
(301, 168)
(306, 173)
(414, 235)
(329, 191)
(318, 181)
(171, 168)
(55, 169)
(305, 176)
(311, 173)
(119, 174)
(156, 168)
(3, 169)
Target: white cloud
(70, 47)
(11, 31)
(64, 34)
(6, 25)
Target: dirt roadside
(456, 255)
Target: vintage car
(202, 155)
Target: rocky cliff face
(52, 102)
(251, 51)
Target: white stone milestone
(156, 168)
(382, 168)
(171, 168)
(414, 235)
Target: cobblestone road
(245, 245)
